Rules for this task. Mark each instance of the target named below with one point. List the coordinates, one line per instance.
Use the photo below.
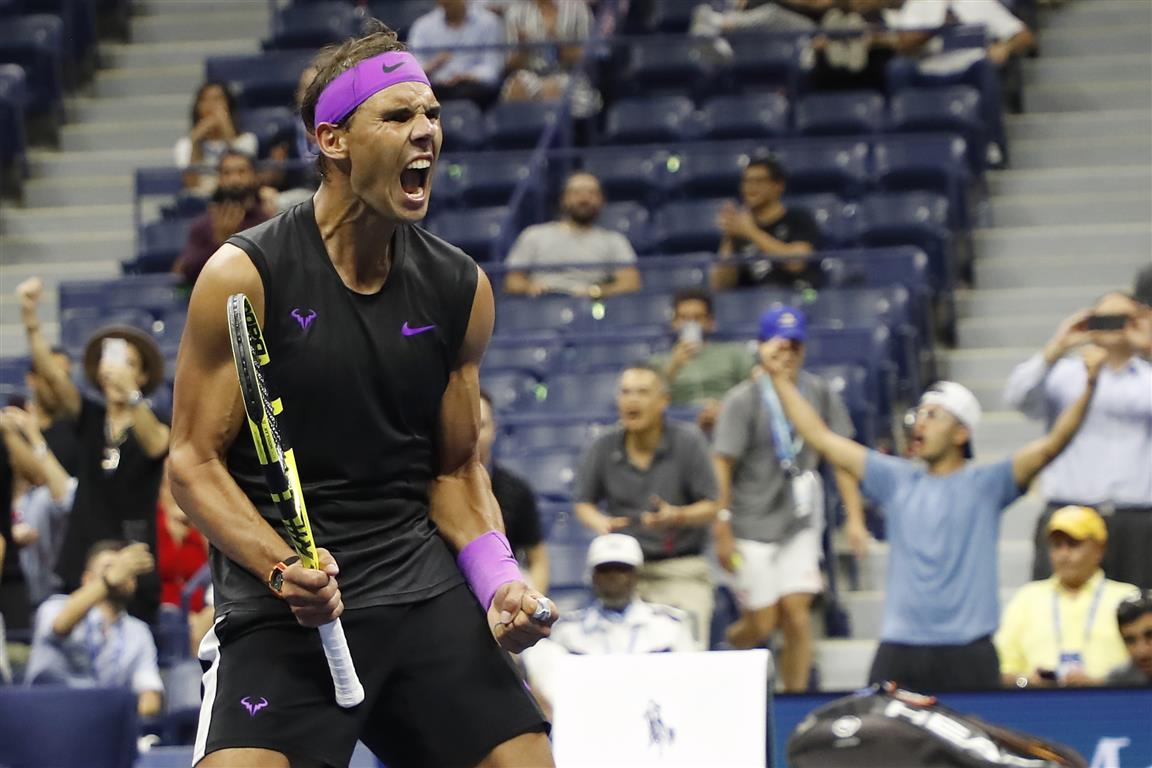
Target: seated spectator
(460, 69)
(238, 203)
(1106, 464)
(122, 441)
(574, 239)
(293, 170)
(700, 371)
(1134, 619)
(213, 133)
(655, 480)
(854, 47)
(918, 21)
(765, 226)
(517, 503)
(180, 549)
(616, 622)
(770, 540)
(1061, 630)
(755, 15)
(42, 502)
(86, 639)
(544, 73)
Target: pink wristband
(486, 563)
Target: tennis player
(375, 330)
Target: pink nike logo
(407, 330)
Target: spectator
(942, 520)
(58, 430)
(293, 170)
(616, 622)
(574, 239)
(1061, 630)
(180, 549)
(1142, 292)
(5, 664)
(213, 133)
(517, 504)
(656, 483)
(238, 203)
(86, 639)
(770, 540)
(42, 504)
(919, 20)
(544, 73)
(1106, 465)
(765, 226)
(700, 371)
(1134, 618)
(755, 15)
(122, 442)
(854, 47)
(447, 41)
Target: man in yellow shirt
(1062, 630)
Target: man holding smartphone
(1106, 464)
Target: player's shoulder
(430, 249)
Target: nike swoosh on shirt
(408, 330)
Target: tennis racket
(251, 356)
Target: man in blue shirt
(943, 517)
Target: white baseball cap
(959, 401)
(614, 548)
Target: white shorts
(770, 571)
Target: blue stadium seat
(463, 124)
(478, 232)
(910, 218)
(745, 116)
(738, 312)
(266, 79)
(77, 325)
(761, 62)
(520, 315)
(491, 178)
(46, 726)
(268, 124)
(710, 170)
(549, 472)
(510, 389)
(905, 266)
(672, 274)
(588, 392)
(566, 561)
(400, 14)
(520, 124)
(598, 353)
(629, 219)
(672, 16)
(867, 347)
(633, 313)
(78, 28)
(12, 371)
(954, 109)
(836, 219)
(685, 226)
(628, 174)
(664, 64)
(840, 167)
(159, 243)
(13, 143)
(851, 383)
(537, 355)
(312, 25)
(521, 436)
(36, 43)
(929, 163)
(653, 119)
(157, 294)
(840, 114)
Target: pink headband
(352, 88)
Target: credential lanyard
(1087, 622)
(787, 446)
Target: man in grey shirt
(654, 479)
(545, 257)
(770, 540)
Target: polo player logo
(660, 734)
(253, 707)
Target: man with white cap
(616, 622)
(943, 519)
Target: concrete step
(1012, 302)
(54, 273)
(165, 54)
(1072, 207)
(1079, 125)
(80, 190)
(29, 222)
(1041, 271)
(1063, 239)
(1084, 94)
(1049, 70)
(1079, 153)
(1072, 15)
(97, 136)
(1094, 39)
(1085, 180)
(1015, 561)
(164, 80)
(1004, 432)
(982, 363)
(53, 165)
(1019, 331)
(68, 246)
(109, 109)
(844, 664)
(191, 24)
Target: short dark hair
(775, 170)
(1133, 608)
(644, 365)
(228, 97)
(692, 294)
(102, 546)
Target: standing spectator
(86, 639)
(58, 430)
(238, 203)
(1142, 292)
(616, 622)
(943, 520)
(655, 480)
(122, 442)
(1134, 619)
(213, 133)
(1062, 629)
(448, 42)
(543, 73)
(574, 239)
(42, 504)
(770, 540)
(1106, 465)
(517, 503)
(765, 226)
(700, 371)
(180, 549)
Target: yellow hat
(1080, 523)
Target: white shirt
(640, 628)
(930, 14)
(480, 27)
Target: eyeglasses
(1134, 607)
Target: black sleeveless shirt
(361, 378)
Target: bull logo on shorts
(253, 707)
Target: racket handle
(349, 691)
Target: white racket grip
(349, 691)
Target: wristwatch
(276, 575)
(724, 516)
(135, 397)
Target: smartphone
(1106, 322)
(114, 351)
(691, 332)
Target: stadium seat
(47, 726)
(510, 389)
(587, 392)
(463, 124)
(491, 178)
(840, 114)
(77, 325)
(400, 14)
(738, 312)
(520, 124)
(761, 62)
(156, 294)
(628, 174)
(78, 30)
(836, 219)
(266, 79)
(13, 143)
(658, 64)
(672, 274)
(12, 371)
(710, 170)
(599, 353)
(36, 43)
(566, 561)
(520, 314)
(533, 354)
(636, 313)
(866, 347)
(268, 124)
(685, 226)
(839, 167)
(935, 163)
(479, 232)
(312, 25)
(653, 119)
(529, 436)
(745, 116)
(906, 266)
(672, 16)
(954, 109)
(159, 243)
(910, 218)
(851, 383)
(629, 219)
(549, 472)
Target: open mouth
(414, 179)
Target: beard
(583, 215)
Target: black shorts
(438, 690)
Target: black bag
(891, 728)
